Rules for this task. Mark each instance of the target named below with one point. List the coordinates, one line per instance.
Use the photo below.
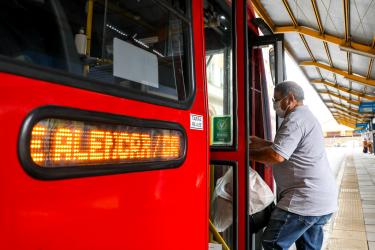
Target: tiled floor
(348, 230)
(353, 226)
(365, 166)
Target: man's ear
(291, 98)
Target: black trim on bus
(188, 103)
(247, 122)
(51, 75)
(269, 39)
(235, 82)
(234, 165)
(262, 25)
(234, 146)
(89, 116)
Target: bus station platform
(353, 225)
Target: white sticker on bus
(196, 122)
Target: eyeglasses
(275, 101)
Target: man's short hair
(286, 87)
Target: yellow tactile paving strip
(349, 230)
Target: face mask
(277, 107)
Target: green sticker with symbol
(221, 130)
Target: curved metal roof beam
(356, 78)
(315, 34)
(347, 19)
(321, 29)
(343, 89)
(349, 115)
(348, 118)
(344, 118)
(340, 97)
(302, 36)
(290, 12)
(263, 14)
(346, 7)
(294, 20)
(355, 46)
(342, 105)
(317, 16)
(349, 124)
(345, 110)
(371, 62)
(370, 68)
(350, 111)
(354, 120)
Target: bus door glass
(268, 49)
(219, 71)
(219, 28)
(267, 67)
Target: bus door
(269, 48)
(225, 75)
(104, 142)
(266, 69)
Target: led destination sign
(64, 143)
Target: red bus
(118, 117)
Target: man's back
(305, 183)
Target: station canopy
(333, 43)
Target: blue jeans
(285, 228)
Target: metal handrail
(217, 236)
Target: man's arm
(265, 155)
(256, 142)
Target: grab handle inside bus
(218, 237)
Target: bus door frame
(238, 153)
(254, 41)
(277, 40)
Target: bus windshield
(142, 46)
